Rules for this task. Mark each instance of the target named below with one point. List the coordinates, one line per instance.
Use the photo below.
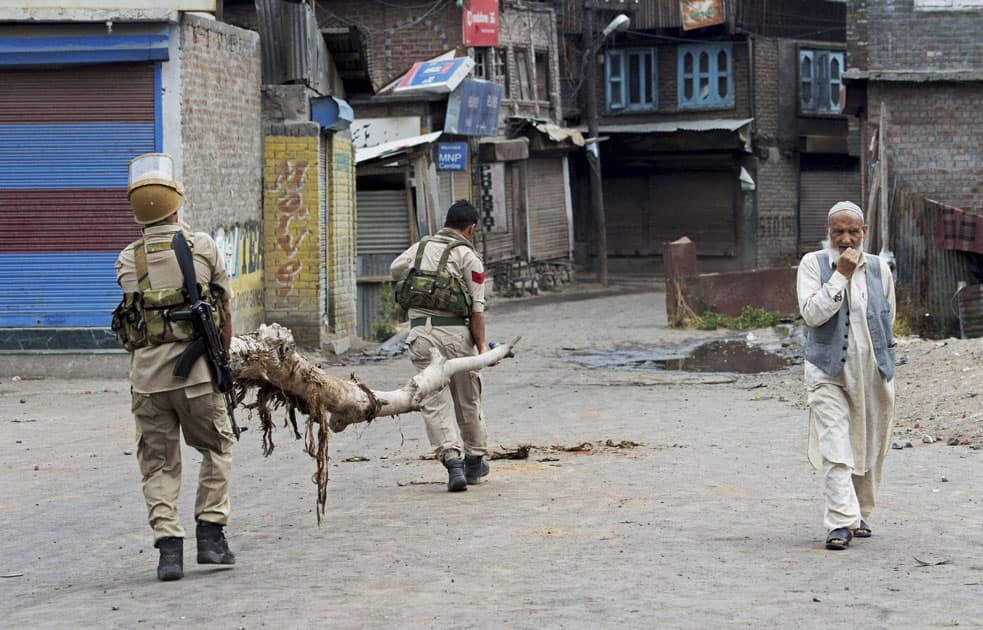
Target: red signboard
(480, 23)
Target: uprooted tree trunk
(267, 361)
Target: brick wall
(668, 106)
(893, 35)
(340, 246)
(395, 37)
(292, 230)
(222, 154)
(934, 135)
(777, 198)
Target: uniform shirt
(151, 367)
(463, 263)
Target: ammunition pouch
(143, 319)
(435, 290)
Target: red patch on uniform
(477, 278)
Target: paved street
(713, 521)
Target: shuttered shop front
(549, 228)
(382, 233)
(818, 191)
(646, 211)
(66, 139)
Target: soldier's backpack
(438, 289)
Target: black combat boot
(212, 547)
(171, 565)
(455, 475)
(475, 467)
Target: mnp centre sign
(452, 156)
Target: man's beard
(834, 252)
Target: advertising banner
(493, 211)
(701, 13)
(480, 23)
(473, 108)
(435, 76)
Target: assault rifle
(207, 339)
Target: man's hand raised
(848, 261)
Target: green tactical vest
(437, 290)
(142, 318)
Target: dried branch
(267, 361)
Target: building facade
(727, 131)
(85, 91)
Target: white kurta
(860, 390)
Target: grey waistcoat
(827, 345)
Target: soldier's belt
(438, 321)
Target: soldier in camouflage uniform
(441, 284)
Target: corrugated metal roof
(713, 124)
(389, 149)
(293, 49)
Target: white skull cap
(846, 206)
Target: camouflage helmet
(153, 191)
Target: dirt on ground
(648, 498)
(937, 389)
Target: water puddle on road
(715, 356)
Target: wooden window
(820, 80)
(706, 76)
(631, 79)
(522, 74)
(542, 75)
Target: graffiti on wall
(289, 233)
(241, 249)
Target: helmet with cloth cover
(153, 191)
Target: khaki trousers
(453, 417)
(202, 418)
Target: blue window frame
(820, 80)
(631, 80)
(706, 76)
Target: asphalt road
(713, 521)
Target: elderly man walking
(847, 300)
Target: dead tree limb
(267, 362)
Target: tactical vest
(439, 289)
(142, 318)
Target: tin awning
(739, 126)
(395, 147)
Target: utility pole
(594, 148)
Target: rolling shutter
(66, 139)
(382, 220)
(818, 191)
(645, 212)
(549, 230)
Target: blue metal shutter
(66, 138)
